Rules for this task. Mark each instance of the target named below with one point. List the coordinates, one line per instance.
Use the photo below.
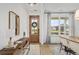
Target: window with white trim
(59, 25)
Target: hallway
(22, 24)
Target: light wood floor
(37, 49)
(46, 49)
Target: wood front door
(34, 29)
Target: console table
(21, 45)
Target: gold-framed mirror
(14, 22)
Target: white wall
(4, 19)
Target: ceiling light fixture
(32, 4)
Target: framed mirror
(14, 23)
(17, 25)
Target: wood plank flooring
(46, 49)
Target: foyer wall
(4, 19)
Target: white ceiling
(55, 7)
(61, 7)
(49, 7)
